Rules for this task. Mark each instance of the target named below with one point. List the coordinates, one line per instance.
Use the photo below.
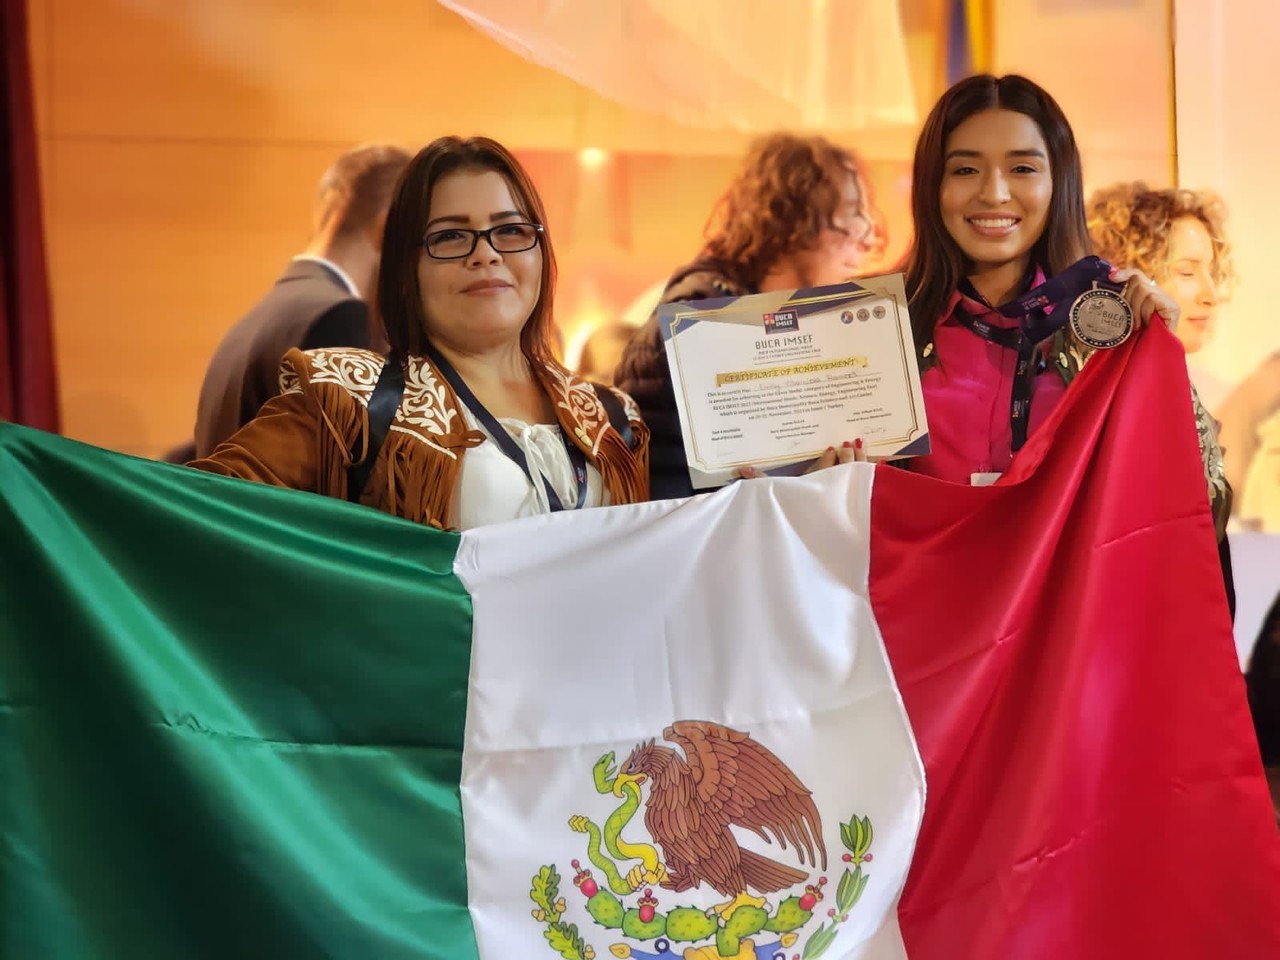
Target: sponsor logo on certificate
(784, 321)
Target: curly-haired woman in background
(1177, 238)
(797, 215)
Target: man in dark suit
(318, 302)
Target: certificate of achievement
(773, 379)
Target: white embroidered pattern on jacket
(356, 371)
(424, 405)
(423, 412)
(578, 398)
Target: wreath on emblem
(724, 779)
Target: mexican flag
(857, 714)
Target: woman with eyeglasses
(470, 420)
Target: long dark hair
(399, 296)
(935, 263)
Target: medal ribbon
(1035, 324)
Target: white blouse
(493, 488)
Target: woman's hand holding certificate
(783, 378)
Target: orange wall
(1109, 64)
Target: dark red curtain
(28, 381)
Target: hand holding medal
(1103, 318)
(1146, 298)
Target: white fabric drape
(746, 65)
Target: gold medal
(1101, 318)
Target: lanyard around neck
(503, 439)
(1029, 363)
(1035, 323)
(1031, 309)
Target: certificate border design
(690, 313)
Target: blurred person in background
(1179, 238)
(798, 214)
(319, 301)
(1176, 237)
(603, 350)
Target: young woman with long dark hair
(998, 207)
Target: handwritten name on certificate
(772, 380)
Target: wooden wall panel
(1109, 65)
(155, 249)
(306, 71)
(289, 70)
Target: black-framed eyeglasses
(454, 243)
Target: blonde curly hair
(1129, 224)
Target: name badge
(983, 479)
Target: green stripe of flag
(198, 671)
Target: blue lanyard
(1034, 325)
(1057, 291)
(503, 439)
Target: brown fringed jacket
(308, 437)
